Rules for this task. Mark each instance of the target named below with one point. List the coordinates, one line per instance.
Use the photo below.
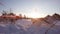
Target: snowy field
(26, 26)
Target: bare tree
(4, 13)
(24, 16)
(20, 15)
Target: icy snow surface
(25, 26)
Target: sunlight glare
(35, 12)
(34, 15)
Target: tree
(11, 14)
(20, 15)
(24, 16)
(4, 13)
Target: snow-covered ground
(20, 27)
(26, 26)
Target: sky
(39, 8)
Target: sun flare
(35, 12)
(35, 15)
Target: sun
(35, 15)
(35, 12)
